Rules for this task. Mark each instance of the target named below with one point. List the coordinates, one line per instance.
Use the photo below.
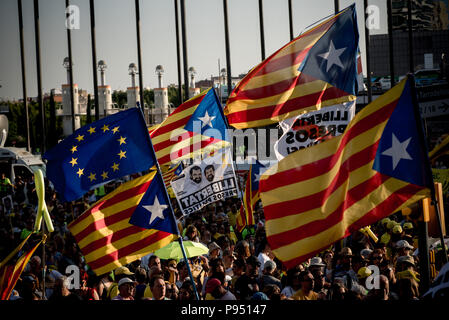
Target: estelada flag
(10, 272)
(196, 127)
(251, 195)
(319, 195)
(317, 69)
(125, 225)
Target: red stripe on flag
(112, 201)
(105, 222)
(294, 104)
(128, 250)
(322, 166)
(168, 143)
(116, 236)
(391, 203)
(300, 205)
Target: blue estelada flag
(198, 126)
(315, 70)
(109, 148)
(252, 194)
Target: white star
(398, 151)
(206, 120)
(156, 210)
(333, 56)
(257, 176)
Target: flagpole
(69, 49)
(367, 53)
(94, 58)
(228, 51)
(178, 56)
(423, 242)
(39, 73)
(184, 50)
(181, 244)
(410, 36)
(390, 41)
(290, 19)
(139, 56)
(22, 62)
(262, 35)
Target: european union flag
(106, 149)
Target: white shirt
(262, 257)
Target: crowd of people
(238, 266)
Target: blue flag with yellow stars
(107, 149)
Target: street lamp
(132, 68)
(102, 66)
(66, 65)
(159, 72)
(192, 73)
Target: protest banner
(312, 128)
(205, 182)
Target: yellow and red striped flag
(105, 234)
(317, 69)
(319, 195)
(168, 174)
(196, 126)
(10, 273)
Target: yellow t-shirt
(147, 293)
(299, 295)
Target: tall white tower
(66, 103)
(161, 107)
(133, 92)
(104, 92)
(192, 90)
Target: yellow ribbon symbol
(42, 211)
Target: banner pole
(159, 176)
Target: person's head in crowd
(154, 261)
(316, 264)
(186, 291)
(293, 279)
(35, 265)
(408, 289)
(397, 233)
(214, 288)
(345, 258)
(141, 275)
(171, 291)
(357, 263)
(228, 258)
(404, 248)
(192, 233)
(269, 267)
(362, 274)
(213, 228)
(242, 249)
(224, 242)
(238, 267)
(381, 292)
(272, 291)
(154, 271)
(122, 272)
(365, 254)
(307, 281)
(319, 280)
(206, 237)
(126, 288)
(157, 287)
(214, 250)
(182, 270)
(377, 256)
(405, 263)
(252, 267)
(217, 269)
(387, 269)
(328, 257)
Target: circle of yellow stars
(105, 173)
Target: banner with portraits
(205, 181)
(312, 128)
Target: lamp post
(68, 66)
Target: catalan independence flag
(317, 69)
(319, 195)
(168, 174)
(10, 272)
(196, 126)
(252, 194)
(107, 149)
(125, 225)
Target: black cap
(252, 260)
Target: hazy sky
(116, 38)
